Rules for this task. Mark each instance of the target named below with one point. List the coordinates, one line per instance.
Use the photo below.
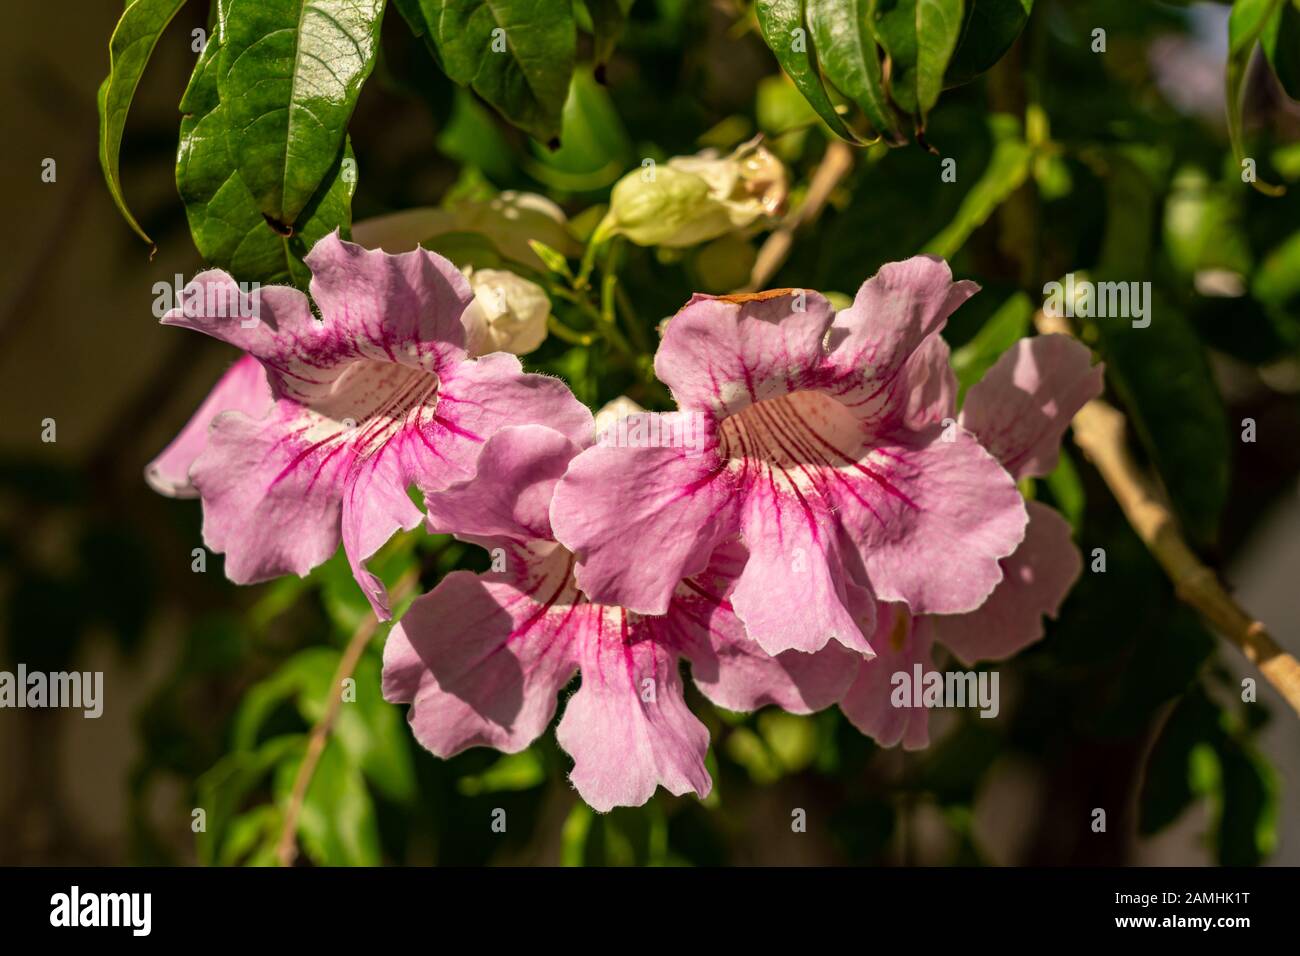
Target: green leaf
(1163, 377)
(1002, 330)
(780, 108)
(337, 824)
(847, 54)
(1203, 226)
(473, 137)
(752, 752)
(919, 36)
(1277, 281)
(1246, 24)
(309, 669)
(368, 728)
(511, 772)
(1007, 169)
(1205, 752)
(1067, 490)
(988, 30)
(553, 259)
(129, 50)
(222, 790)
(784, 29)
(596, 148)
(791, 738)
(1281, 41)
(1167, 783)
(574, 834)
(1160, 371)
(516, 54)
(228, 227)
(252, 837)
(608, 21)
(371, 732)
(1247, 818)
(288, 76)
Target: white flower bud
(508, 313)
(612, 412)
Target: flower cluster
(832, 518)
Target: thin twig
(835, 165)
(287, 848)
(1099, 431)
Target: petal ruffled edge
(1022, 406)
(241, 388)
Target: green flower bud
(693, 199)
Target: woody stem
(1100, 432)
(287, 847)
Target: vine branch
(1100, 432)
(835, 165)
(287, 847)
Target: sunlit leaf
(786, 32)
(848, 55)
(919, 37)
(229, 228)
(516, 54)
(288, 77)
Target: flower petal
(794, 562)
(642, 518)
(375, 507)
(373, 398)
(729, 667)
(627, 727)
(405, 307)
(926, 391)
(901, 642)
(439, 444)
(481, 396)
(360, 447)
(1035, 581)
(933, 519)
(891, 316)
(481, 661)
(242, 388)
(269, 503)
(510, 493)
(1020, 409)
(376, 309)
(722, 353)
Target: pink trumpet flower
(819, 450)
(481, 658)
(319, 431)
